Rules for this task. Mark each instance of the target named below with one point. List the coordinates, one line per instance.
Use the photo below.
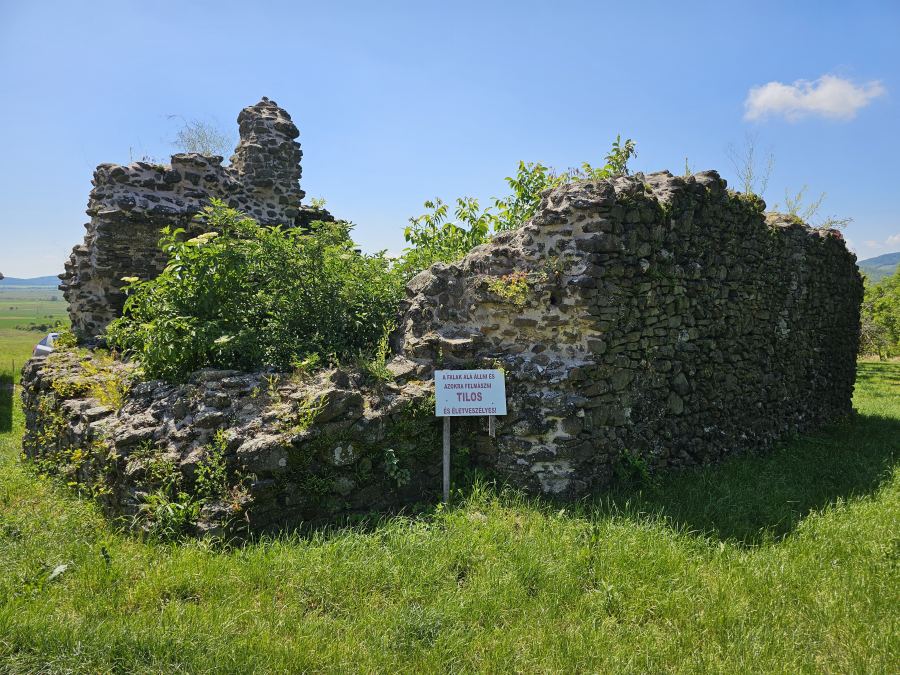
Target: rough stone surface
(662, 320)
(666, 319)
(129, 205)
(368, 449)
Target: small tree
(433, 238)
(880, 317)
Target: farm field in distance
(24, 306)
(782, 562)
(27, 313)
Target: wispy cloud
(829, 96)
(873, 247)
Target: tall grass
(785, 562)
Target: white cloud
(874, 247)
(829, 96)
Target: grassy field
(30, 306)
(26, 315)
(787, 562)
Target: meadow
(27, 314)
(28, 305)
(780, 562)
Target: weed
(376, 367)
(632, 467)
(273, 382)
(511, 287)
(392, 468)
(299, 419)
(106, 383)
(211, 477)
(304, 367)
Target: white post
(446, 460)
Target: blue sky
(400, 102)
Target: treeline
(880, 318)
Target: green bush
(247, 297)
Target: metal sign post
(446, 460)
(467, 393)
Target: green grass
(24, 307)
(15, 350)
(785, 562)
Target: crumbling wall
(646, 321)
(129, 205)
(293, 448)
(655, 320)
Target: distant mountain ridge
(879, 267)
(33, 281)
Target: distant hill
(33, 281)
(879, 267)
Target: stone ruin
(129, 205)
(666, 321)
(650, 320)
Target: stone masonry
(296, 449)
(665, 321)
(129, 205)
(648, 321)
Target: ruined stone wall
(645, 321)
(653, 319)
(295, 449)
(129, 205)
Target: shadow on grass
(749, 499)
(868, 373)
(6, 402)
(755, 499)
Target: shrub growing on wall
(433, 238)
(245, 296)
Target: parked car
(45, 346)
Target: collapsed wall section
(236, 451)
(129, 205)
